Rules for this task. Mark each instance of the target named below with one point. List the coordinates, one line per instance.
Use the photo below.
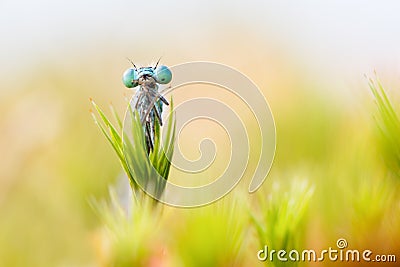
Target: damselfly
(147, 100)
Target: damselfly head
(132, 77)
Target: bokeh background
(309, 59)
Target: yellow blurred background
(308, 58)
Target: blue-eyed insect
(147, 100)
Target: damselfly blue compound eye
(163, 75)
(130, 78)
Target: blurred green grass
(55, 159)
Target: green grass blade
(388, 124)
(116, 116)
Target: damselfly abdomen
(147, 100)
